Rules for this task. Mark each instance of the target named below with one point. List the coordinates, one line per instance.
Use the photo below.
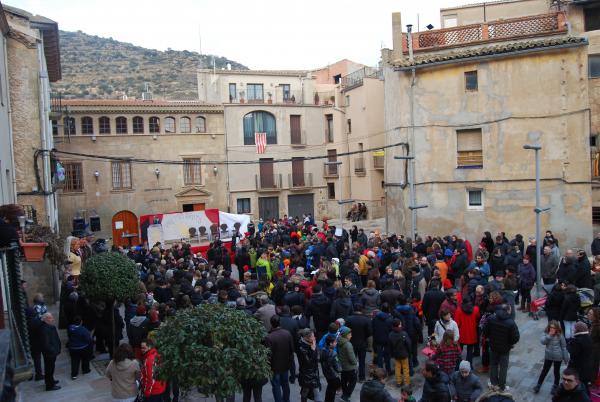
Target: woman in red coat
(467, 319)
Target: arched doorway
(125, 230)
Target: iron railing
(276, 96)
(300, 180)
(356, 78)
(330, 170)
(268, 182)
(378, 162)
(359, 166)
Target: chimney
(396, 36)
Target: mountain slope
(95, 67)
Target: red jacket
(151, 386)
(467, 325)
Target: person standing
(580, 350)
(549, 266)
(348, 363)
(448, 354)
(467, 385)
(432, 301)
(556, 352)
(503, 334)
(467, 318)
(527, 278)
(374, 390)
(80, 346)
(308, 361)
(154, 389)
(436, 387)
(400, 350)
(569, 309)
(330, 367)
(50, 350)
(571, 389)
(382, 326)
(282, 348)
(360, 325)
(123, 371)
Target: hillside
(95, 67)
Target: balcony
(324, 98)
(330, 171)
(276, 97)
(268, 182)
(300, 181)
(56, 106)
(298, 139)
(359, 166)
(356, 78)
(499, 30)
(379, 162)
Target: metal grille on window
(138, 125)
(104, 124)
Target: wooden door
(298, 172)
(296, 134)
(267, 179)
(268, 207)
(332, 170)
(125, 230)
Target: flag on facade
(261, 142)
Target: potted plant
(39, 242)
(270, 100)
(242, 93)
(332, 100)
(293, 99)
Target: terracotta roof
(132, 102)
(490, 50)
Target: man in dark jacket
(282, 348)
(410, 323)
(374, 390)
(437, 386)
(35, 341)
(571, 389)
(308, 372)
(138, 329)
(503, 334)
(400, 349)
(293, 297)
(319, 308)
(382, 326)
(50, 349)
(360, 325)
(567, 269)
(292, 326)
(596, 245)
(432, 301)
(467, 385)
(580, 350)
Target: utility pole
(341, 201)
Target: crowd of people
(326, 300)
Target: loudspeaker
(78, 224)
(95, 223)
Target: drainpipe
(411, 140)
(229, 195)
(43, 88)
(10, 127)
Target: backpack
(586, 297)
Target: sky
(261, 34)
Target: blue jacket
(79, 337)
(382, 326)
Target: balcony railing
(300, 180)
(268, 182)
(56, 106)
(277, 97)
(359, 166)
(330, 170)
(379, 162)
(356, 78)
(298, 139)
(500, 30)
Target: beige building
(309, 118)
(467, 98)
(32, 61)
(188, 135)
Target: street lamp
(538, 210)
(341, 202)
(413, 198)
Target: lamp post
(413, 196)
(341, 202)
(538, 210)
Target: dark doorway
(268, 207)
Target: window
(469, 148)
(200, 124)
(295, 130)
(121, 125)
(475, 199)
(450, 21)
(337, 78)
(243, 205)
(232, 92)
(104, 125)
(470, 80)
(169, 125)
(185, 125)
(331, 191)
(591, 18)
(138, 125)
(285, 88)
(54, 127)
(73, 179)
(259, 122)
(121, 175)
(331, 169)
(192, 172)
(69, 125)
(594, 66)
(349, 121)
(154, 124)
(329, 127)
(596, 215)
(255, 92)
(87, 125)
(347, 100)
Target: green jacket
(265, 265)
(346, 355)
(252, 254)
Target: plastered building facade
(465, 105)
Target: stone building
(308, 121)
(466, 98)
(31, 62)
(188, 135)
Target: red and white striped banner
(261, 142)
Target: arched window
(104, 125)
(121, 125)
(169, 125)
(138, 125)
(154, 125)
(69, 126)
(87, 125)
(185, 125)
(200, 124)
(259, 122)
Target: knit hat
(345, 331)
(464, 366)
(581, 327)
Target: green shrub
(109, 276)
